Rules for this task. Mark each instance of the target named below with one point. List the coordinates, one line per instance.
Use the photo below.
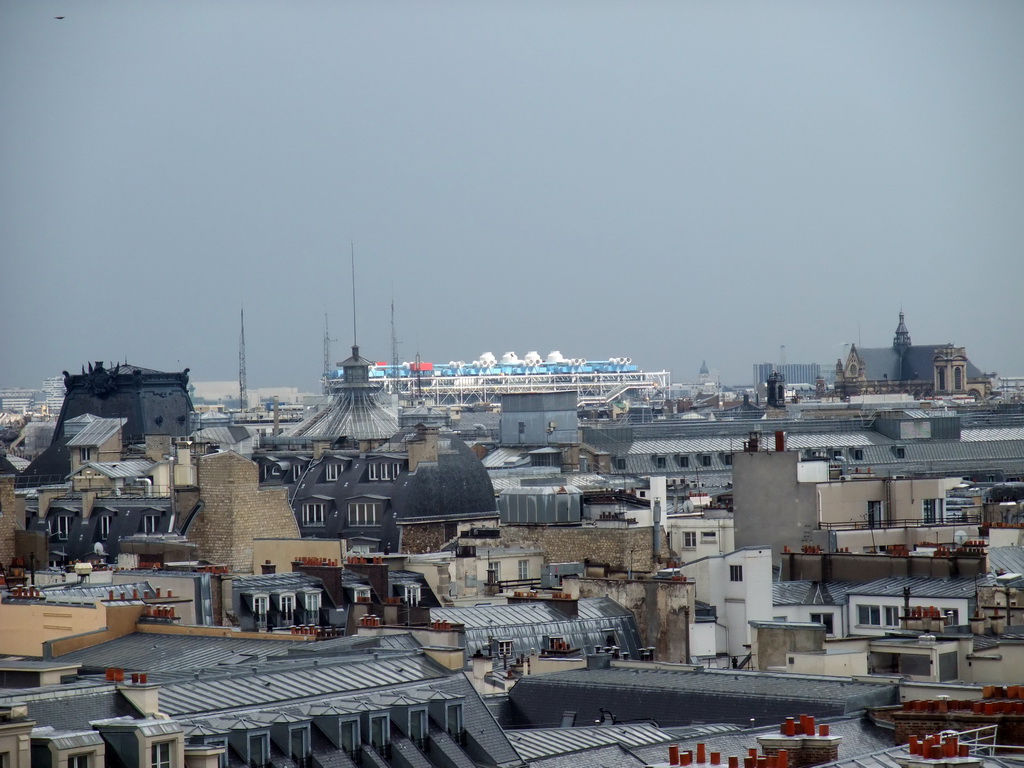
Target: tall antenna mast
(355, 341)
(243, 394)
(394, 349)
(327, 356)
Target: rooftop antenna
(327, 355)
(243, 399)
(355, 341)
(395, 363)
(782, 355)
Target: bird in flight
(58, 17)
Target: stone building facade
(236, 511)
(919, 370)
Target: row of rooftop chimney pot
(535, 594)
(975, 706)
(314, 630)
(160, 612)
(323, 561)
(359, 560)
(802, 727)
(752, 760)
(901, 550)
(26, 592)
(938, 747)
(117, 675)
(111, 595)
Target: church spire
(901, 341)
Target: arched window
(958, 378)
(941, 375)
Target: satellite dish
(960, 537)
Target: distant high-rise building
(794, 373)
(53, 394)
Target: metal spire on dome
(901, 341)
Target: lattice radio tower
(243, 390)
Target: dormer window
(364, 513)
(311, 602)
(160, 755)
(286, 607)
(332, 472)
(453, 714)
(384, 470)
(60, 527)
(104, 526)
(85, 454)
(362, 594)
(313, 513)
(412, 594)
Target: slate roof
(69, 709)
(684, 697)
(915, 365)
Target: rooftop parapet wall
(815, 565)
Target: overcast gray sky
(670, 181)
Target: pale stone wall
(621, 549)
(662, 609)
(9, 522)
(236, 511)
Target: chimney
(268, 568)
(423, 446)
(803, 744)
(939, 751)
(142, 695)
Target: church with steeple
(918, 370)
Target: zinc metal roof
(120, 469)
(270, 685)
(685, 697)
(811, 592)
(533, 743)
(1006, 560)
(860, 736)
(519, 613)
(97, 432)
(359, 414)
(604, 756)
(165, 653)
(67, 739)
(887, 759)
(893, 586)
